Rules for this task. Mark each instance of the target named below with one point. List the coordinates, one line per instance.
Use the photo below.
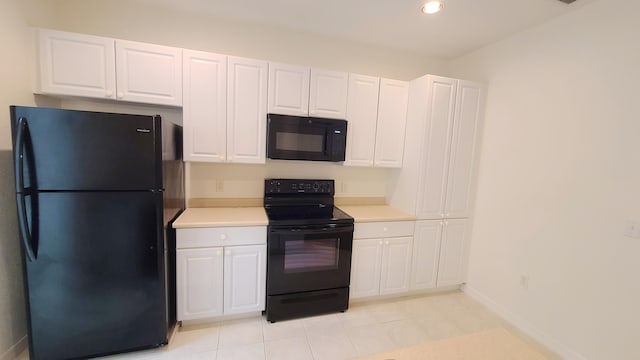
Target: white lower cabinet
(396, 264)
(215, 276)
(439, 253)
(381, 265)
(244, 278)
(199, 283)
(453, 250)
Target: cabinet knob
(223, 236)
(120, 95)
(386, 242)
(228, 252)
(109, 93)
(380, 242)
(384, 229)
(446, 223)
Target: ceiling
(463, 25)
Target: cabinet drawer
(220, 236)
(383, 229)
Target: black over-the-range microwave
(305, 138)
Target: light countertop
(374, 213)
(221, 216)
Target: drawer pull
(223, 236)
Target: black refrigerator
(96, 194)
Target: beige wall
(559, 177)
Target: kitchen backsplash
(206, 180)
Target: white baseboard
(525, 326)
(15, 350)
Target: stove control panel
(298, 186)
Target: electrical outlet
(632, 229)
(524, 282)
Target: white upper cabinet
(469, 100)
(328, 94)
(149, 73)
(205, 106)
(362, 115)
(92, 66)
(246, 110)
(392, 119)
(436, 143)
(76, 64)
(454, 108)
(288, 89)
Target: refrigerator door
(81, 150)
(97, 283)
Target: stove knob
(316, 187)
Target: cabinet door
(328, 94)
(199, 283)
(469, 100)
(392, 121)
(288, 89)
(426, 250)
(244, 278)
(396, 264)
(362, 115)
(452, 264)
(75, 64)
(247, 110)
(205, 106)
(149, 73)
(436, 142)
(366, 262)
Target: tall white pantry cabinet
(438, 176)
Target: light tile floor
(364, 329)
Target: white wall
(15, 89)
(559, 176)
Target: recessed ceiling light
(432, 7)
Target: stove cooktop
(304, 215)
(302, 202)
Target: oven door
(306, 258)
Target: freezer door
(81, 150)
(97, 284)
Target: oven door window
(305, 259)
(311, 255)
(311, 143)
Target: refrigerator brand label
(143, 130)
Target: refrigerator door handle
(18, 154)
(25, 234)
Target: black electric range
(309, 246)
